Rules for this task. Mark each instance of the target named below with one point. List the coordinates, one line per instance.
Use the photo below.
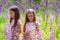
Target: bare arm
(19, 28)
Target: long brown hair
(17, 15)
(26, 18)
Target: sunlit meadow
(47, 14)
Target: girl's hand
(32, 35)
(13, 34)
(26, 35)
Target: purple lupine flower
(30, 2)
(20, 7)
(44, 3)
(54, 6)
(9, 4)
(4, 1)
(0, 7)
(36, 6)
(39, 35)
(16, 3)
(52, 18)
(51, 34)
(24, 9)
(58, 11)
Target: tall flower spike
(51, 34)
(39, 35)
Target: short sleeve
(19, 22)
(19, 26)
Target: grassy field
(45, 25)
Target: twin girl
(30, 28)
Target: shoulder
(19, 22)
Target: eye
(31, 15)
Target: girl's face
(12, 14)
(30, 16)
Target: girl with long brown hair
(14, 28)
(31, 26)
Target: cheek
(31, 18)
(13, 14)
